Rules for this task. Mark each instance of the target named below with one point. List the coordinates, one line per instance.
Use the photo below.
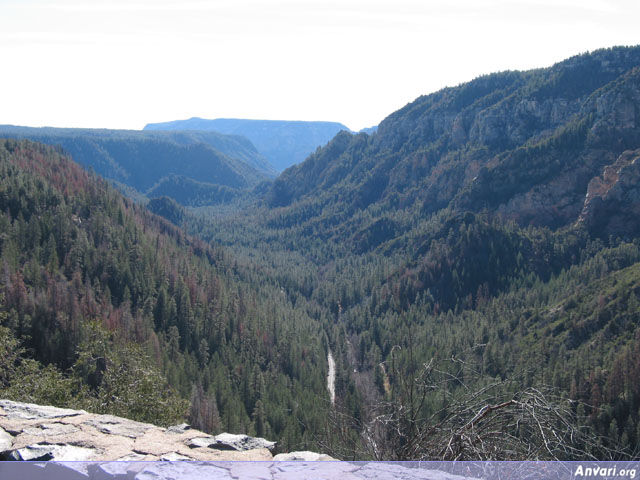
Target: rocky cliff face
(544, 182)
(522, 145)
(612, 203)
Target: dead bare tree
(434, 415)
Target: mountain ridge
(480, 249)
(142, 159)
(437, 149)
(283, 142)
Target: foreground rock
(34, 432)
(228, 471)
(304, 456)
(69, 444)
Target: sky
(126, 63)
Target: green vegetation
(110, 308)
(449, 262)
(161, 163)
(189, 192)
(455, 231)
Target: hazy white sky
(125, 63)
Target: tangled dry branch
(433, 415)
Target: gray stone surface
(315, 469)
(174, 457)
(230, 441)
(225, 470)
(132, 457)
(388, 471)
(116, 470)
(302, 456)
(43, 451)
(119, 426)
(201, 442)
(6, 440)
(182, 471)
(143, 451)
(51, 429)
(35, 432)
(183, 427)
(31, 411)
(251, 470)
(68, 471)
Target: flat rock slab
(201, 442)
(42, 452)
(118, 426)
(182, 471)
(50, 429)
(303, 456)
(251, 471)
(389, 471)
(116, 470)
(6, 440)
(40, 433)
(31, 411)
(222, 470)
(173, 457)
(230, 441)
(314, 470)
(183, 427)
(36, 432)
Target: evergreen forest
(472, 266)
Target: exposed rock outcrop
(612, 203)
(302, 456)
(68, 444)
(520, 145)
(35, 432)
(544, 183)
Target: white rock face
(303, 456)
(61, 453)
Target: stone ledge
(36, 432)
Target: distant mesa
(284, 143)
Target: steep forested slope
(487, 229)
(102, 303)
(142, 160)
(473, 266)
(283, 143)
(522, 144)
